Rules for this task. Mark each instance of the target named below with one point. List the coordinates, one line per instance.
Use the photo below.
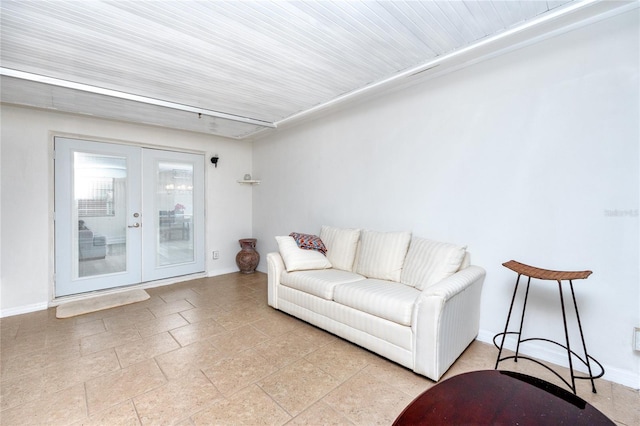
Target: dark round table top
(493, 397)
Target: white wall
(526, 156)
(27, 189)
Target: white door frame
(135, 246)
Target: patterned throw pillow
(309, 242)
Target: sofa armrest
(446, 319)
(275, 266)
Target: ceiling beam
(130, 97)
(602, 10)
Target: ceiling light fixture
(130, 97)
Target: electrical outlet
(636, 339)
(216, 255)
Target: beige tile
(160, 325)
(457, 368)
(114, 388)
(602, 399)
(314, 335)
(365, 400)
(177, 399)
(180, 362)
(23, 344)
(261, 292)
(480, 356)
(201, 313)
(250, 406)
(238, 317)
(128, 319)
(74, 332)
(21, 389)
(341, 359)
(62, 352)
(63, 407)
(250, 303)
(170, 308)
(109, 339)
(238, 340)
(26, 364)
(177, 295)
(148, 347)
(298, 386)
(320, 414)
(229, 299)
(235, 372)
(123, 414)
(195, 332)
(36, 321)
(626, 405)
(274, 323)
(208, 300)
(285, 350)
(78, 370)
(47, 363)
(185, 422)
(9, 328)
(399, 377)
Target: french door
(125, 215)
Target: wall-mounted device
(214, 160)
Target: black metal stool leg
(524, 308)
(584, 345)
(566, 335)
(506, 326)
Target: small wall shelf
(250, 182)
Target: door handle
(135, 225)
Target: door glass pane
(99, 194)
(174, 197)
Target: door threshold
(149, 284)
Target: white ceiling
(236, 68)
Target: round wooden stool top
(494, 397)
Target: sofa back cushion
(429, 262)
(341, 244)
(382, 254)
(297, 259)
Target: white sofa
(409, 299)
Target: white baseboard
(19, 310)
(547, 353)
(168, 281)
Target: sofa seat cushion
(320, 282)
(385, 299)
(99, 240)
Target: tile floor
(210, 351)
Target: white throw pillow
(429, 262)
(341, 246)
(382, 254)
(297, 259)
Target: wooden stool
(559, 276)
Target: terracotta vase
(247, 258)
